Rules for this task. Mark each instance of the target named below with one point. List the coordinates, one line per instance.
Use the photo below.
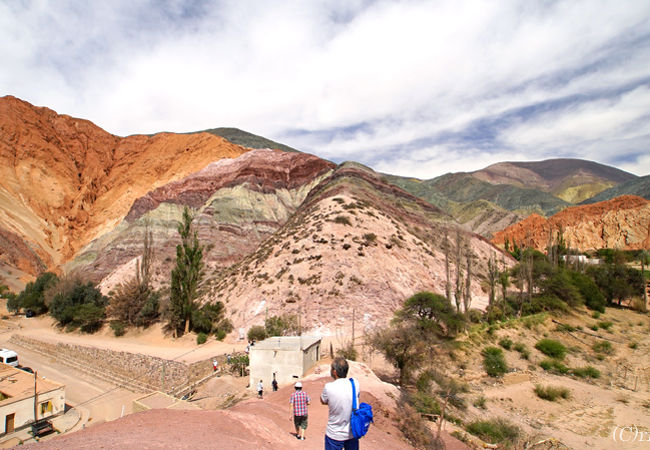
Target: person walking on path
(299, 400)
(260, 389)
(215, 365)
(337, 395)
(274, 383)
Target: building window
(46, 407)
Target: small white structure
(25, 398)
(286, 357)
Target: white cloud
(411, 71)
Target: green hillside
(639, 187)
(463, 187)
(246, 139)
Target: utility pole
(35, 397)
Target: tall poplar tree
(186, 276)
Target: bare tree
(447, 268)
(458, 292)
(467, 297)
(492, 275)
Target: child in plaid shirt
(300, 400)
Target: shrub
(480, 402)
(201, 338)
(551, 348)
(78, 305)
(553, 365)
(118, 327)
(284, 325)
(494, 430)
(594, 327)
(605, 325)
(564, 327)
(256, 333)
(596, 315)
(552, 393)
(633, 345)
(348, 352)
(425, 403)
(586, 372)
(343, 220)
(493, 361)
(603, 347)
(506, 343)
(522, 349)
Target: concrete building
(24, 400)
(286, 357)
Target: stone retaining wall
(131, 366)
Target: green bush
(480, 402)
(596, 314)
(586, 372)
(494, 362)
(348, 352)
(221, 334)
(494, 430)
(506, 343)
(118, 327)
(425, 403)
(551, 348)
(553, 365)
(605, 325)
(256, 333)
(522, 349)
(79, 305)
(603, 347)
(565, 327)
(633, 345)
(343, 220)
(552, 393)
(32, 297)
(201, 338)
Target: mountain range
(285, 231)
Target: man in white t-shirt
(337, 395)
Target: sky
(412, 88)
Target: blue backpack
(361, 416)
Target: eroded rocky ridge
(355, 244)
(64, 181)
(623, 223)
(237, 204)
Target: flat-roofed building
(25, 399)
(287, 358)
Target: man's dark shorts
(300, 422)
(350, 444)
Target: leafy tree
(32, 297)
(186, 276)
(594, 299)
(617, 281)
(256, 333)
(284, 325)
(431, 313)
(403, 346)
(79, 305)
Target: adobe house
(24, 399)
(286, 357)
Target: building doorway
(9, 422)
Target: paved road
(103, 400)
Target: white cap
(298, 384)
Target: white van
(9, 357)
